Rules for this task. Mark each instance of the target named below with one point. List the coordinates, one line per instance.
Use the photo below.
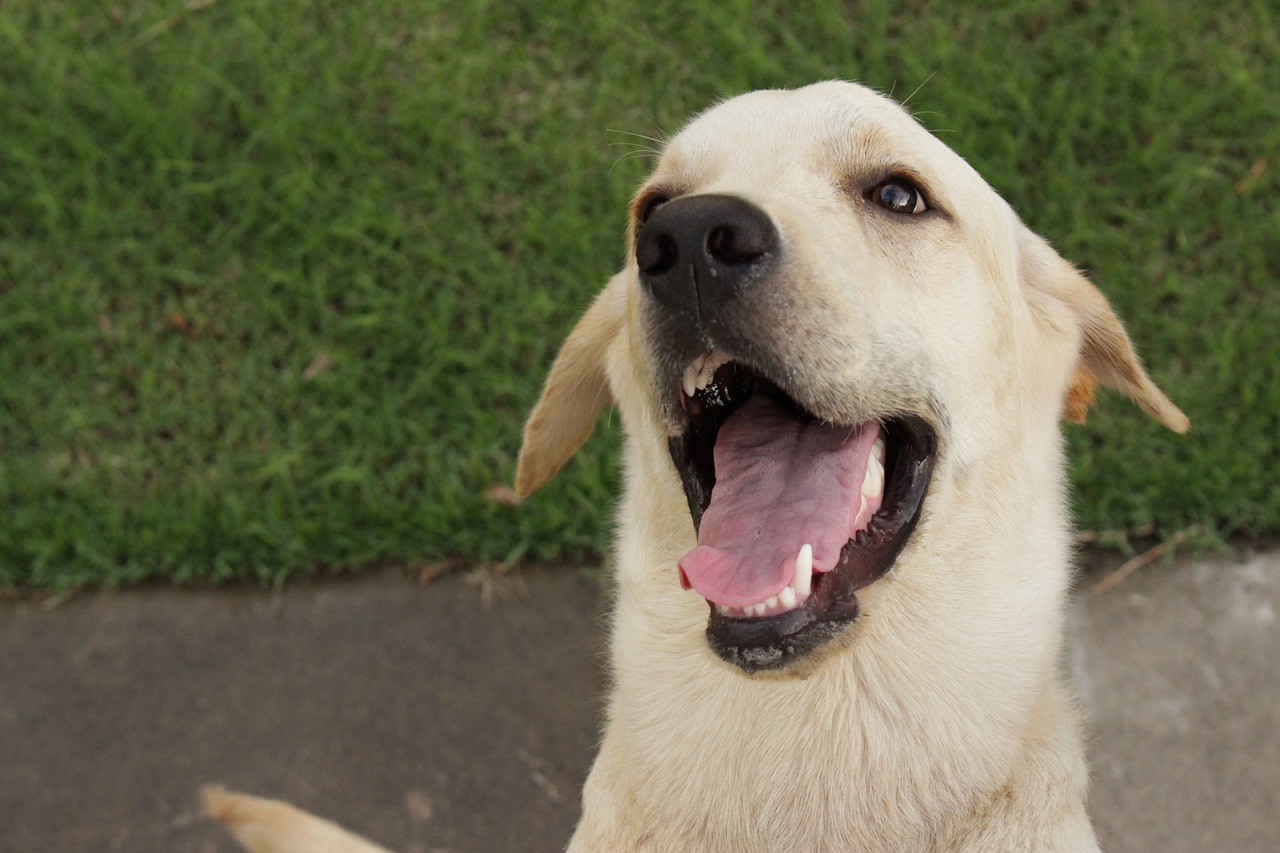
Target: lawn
(279, 280)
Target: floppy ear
(1106, 355)
(576, 391)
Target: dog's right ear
(576, 391)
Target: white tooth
(705, 375)
(877, 450)
(873, 482)
(802, 582)
(787, 598)
(689, 381)
(711, 362)
(771, 602)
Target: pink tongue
(781, 482)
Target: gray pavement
(429, 721)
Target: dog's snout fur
(698, 253)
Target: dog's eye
(650, 207)
(898, 195)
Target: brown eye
(650, 207)
(898, 195)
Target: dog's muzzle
(794, 514)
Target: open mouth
(794, 515)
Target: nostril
(657, 254)
(732, 247)
(721, 246)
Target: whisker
(653, 139)
(907, 100)
(633, 155)
(636, 145)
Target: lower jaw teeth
(781, 603)
(791, 596)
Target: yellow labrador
(840, 361)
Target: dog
(843, 552)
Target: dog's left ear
(576, 391)
(1106, 355)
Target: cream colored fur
(270, 826)
(941, 720)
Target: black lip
(774, 642)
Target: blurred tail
(270, 826)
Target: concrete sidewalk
(428, 721)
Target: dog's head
(826, 317)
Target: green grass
(195, 204)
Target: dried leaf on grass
(321, 363)
(1256, 171)
(429, 572)
(180, 323)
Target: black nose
(698, 252)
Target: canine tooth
(787, 598)
(689, 382)
(877, 450)
(803, 580)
